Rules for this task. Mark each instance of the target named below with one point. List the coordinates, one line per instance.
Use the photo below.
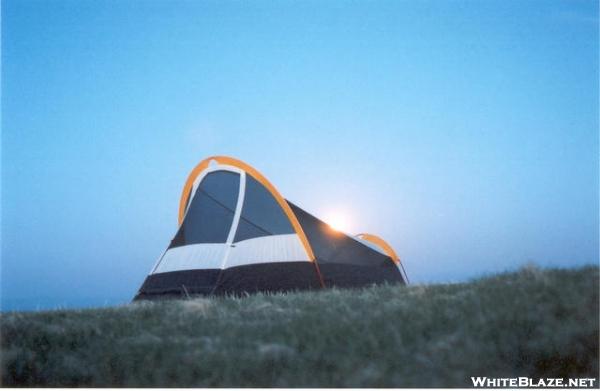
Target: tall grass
(537, 323)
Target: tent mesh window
(261, 214)
(210, 213)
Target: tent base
(274, 277)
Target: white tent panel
(265, 249)
(193, 256)
(274, 248)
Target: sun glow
(338, 221)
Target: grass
(536, 323)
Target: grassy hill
(537, 323)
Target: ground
(534, 322)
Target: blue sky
(463, 132)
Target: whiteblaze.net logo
(525, 382)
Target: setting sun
(338, 221)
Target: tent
(238, 235)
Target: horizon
(465, 134)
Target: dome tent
(238, 235)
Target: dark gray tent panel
(344, 261)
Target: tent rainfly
(238, 235)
